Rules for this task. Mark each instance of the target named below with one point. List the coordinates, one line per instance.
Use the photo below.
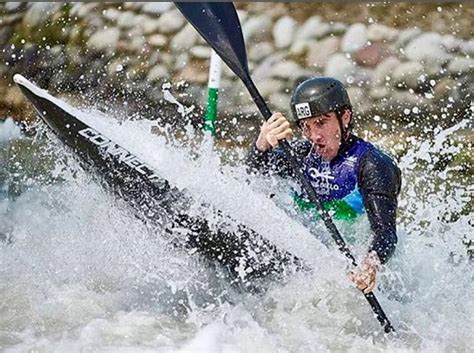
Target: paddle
(219, 25)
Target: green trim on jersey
(341, 209)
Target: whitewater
(79, 272)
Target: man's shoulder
(380, 157)
(372, 152)
(379, 167)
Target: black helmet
(317, 96)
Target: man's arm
(259, 161)
(274, 161)
(265, 157)
(380, 182)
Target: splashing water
(9, 131)
(81, 274)
(181, 109)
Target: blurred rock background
(402, 63)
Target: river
(80, 273)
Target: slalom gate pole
(213, 93)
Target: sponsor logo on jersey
(321, 181)
(350, 161)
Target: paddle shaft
(266, 113)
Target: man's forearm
(258, 161)
(381, 211)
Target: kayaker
(351, 176)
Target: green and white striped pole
(213, 93)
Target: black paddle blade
(218, 24)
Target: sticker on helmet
(303, 110)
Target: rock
(337, 29)
(129, 20)
(461, 66)
(39, 12)
(112, 14)
(5, 34)
(280, 102)
(361, 78)
(169, 60)
(116, 67)
(286, 70)
(355, 38)
(242, 15)
(154, 58)
(12, 6)
(194, 72)
(149, 25)
(270, 86)
(444, 88)
(394, 106)
(139, 21)
(170, 22)
(260, 50)
(358, 99)
(377, 32)
(340, 67)
(184, 39)
(7, 22)
(406, 36)
(408, 75)
(201, 52)
(158, 40)
(427, 48)
(13, 97)
(299, 47)
(257, 29)
(133, 5)
(94, 22)
(320, 51)
(139, 72)
(434, 70)
(467, 47)
(181, 61)
(378, 92)
(451, 43)
(313, 28)
(406, 100)
(320, 31)
(371, 55)
(57, 57)
(106, 39)
(447, 93)
(263, 70)
(383, 72)
(315, 31)
(82, 10)
(284, 31)
(157, 73)
(136, 44)
(156, 8)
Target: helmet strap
(344, 130)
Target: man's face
(324, 132)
